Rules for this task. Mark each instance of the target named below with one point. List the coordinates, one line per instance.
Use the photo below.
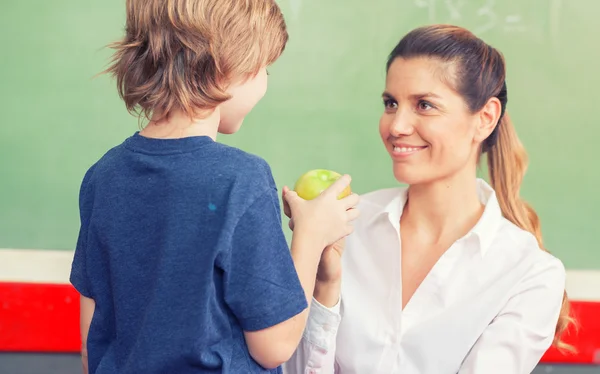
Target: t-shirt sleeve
(78, 277)
(261, 284)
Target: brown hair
(480, 75)
(183, 54)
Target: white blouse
(489, 305)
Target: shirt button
(326, 327)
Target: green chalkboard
(321, 111)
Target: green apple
(312, 183)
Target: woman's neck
(442, 211)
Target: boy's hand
(330, 266)
(325, 218)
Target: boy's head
(193, 56)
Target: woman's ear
(488, 119)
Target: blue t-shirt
(182, 249)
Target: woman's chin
(409, 174)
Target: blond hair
(183, 54)
(480, 75)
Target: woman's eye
(425, 106)
(390, 104)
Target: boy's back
(181, 248)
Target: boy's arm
(268, 289)
(79, 276)
(265, 286)
(287, 334)
(87, 307)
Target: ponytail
(507, 163)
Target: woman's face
(427, 127)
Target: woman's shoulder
(511, 241)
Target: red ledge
(44, 318)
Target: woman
(448, 275)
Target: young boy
(181, 261)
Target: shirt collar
(485, 229)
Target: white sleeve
(316, 352)
(519, 336)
